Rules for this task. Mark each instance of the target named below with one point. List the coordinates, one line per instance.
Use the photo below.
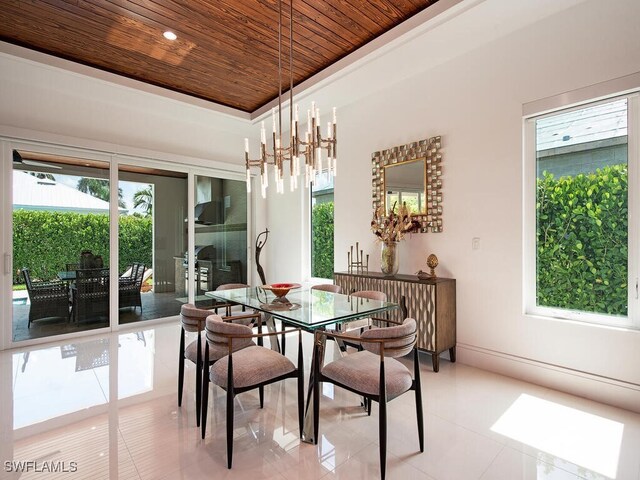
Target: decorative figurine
(432, 263)
(259, 244)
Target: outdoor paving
(154, 305)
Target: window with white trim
(581, 162)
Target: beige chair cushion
(215, 353)
(251, 366)
(361, 372)
(232, 286)
(328, 287)
(397, 348)
(371, 295)
(192, 317)
(191, 351)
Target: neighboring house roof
(599, 122)
(32, 193)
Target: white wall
(475, 102)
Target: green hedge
(322, 240)
(46, 241)
(582, 241)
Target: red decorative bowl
(281, 289)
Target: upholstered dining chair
(244, 366)
(374, 373)
(230, 308)
(193, 320)
(325, 287)
(362, 323)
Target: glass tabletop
(305, 307)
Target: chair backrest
(231, 286)
(27, 279)
(399, 339)
(92, 282)
(218, 331)
(72, 267)
(328, 287)
(371, 295)
(137, 272)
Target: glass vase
(389, 259)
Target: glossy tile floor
(105, 408)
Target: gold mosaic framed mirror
(412, 174)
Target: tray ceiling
(226, 51)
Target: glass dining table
(309, 310)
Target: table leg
(271, 327)
(307, 429)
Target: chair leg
(316, 395)
(230, 395)
(300, 385)
(181, 367)
(418, 388)
(261, 395)
(205, 390)
(284, 341)
(382, 423)
(198, 379)
(369, 402)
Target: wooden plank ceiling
(226, 51)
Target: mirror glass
(406, 182)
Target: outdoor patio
(154, 305)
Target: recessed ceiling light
(169, 35)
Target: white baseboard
(601, 389)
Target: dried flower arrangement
(393, 227)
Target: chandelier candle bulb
(246, 145)
(334, 115)
(273, 116)
(263, 134)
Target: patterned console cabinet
(431, 302)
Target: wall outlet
(475, 243)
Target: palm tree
(144, 199)
(98, 188)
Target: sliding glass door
(152, 241)
(61, 244)
(99, 240)
(220, 217)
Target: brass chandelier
(307, 150)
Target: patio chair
(374, 373)
(129, 287)
(48, 299)
(91, 294)
(72, 267)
